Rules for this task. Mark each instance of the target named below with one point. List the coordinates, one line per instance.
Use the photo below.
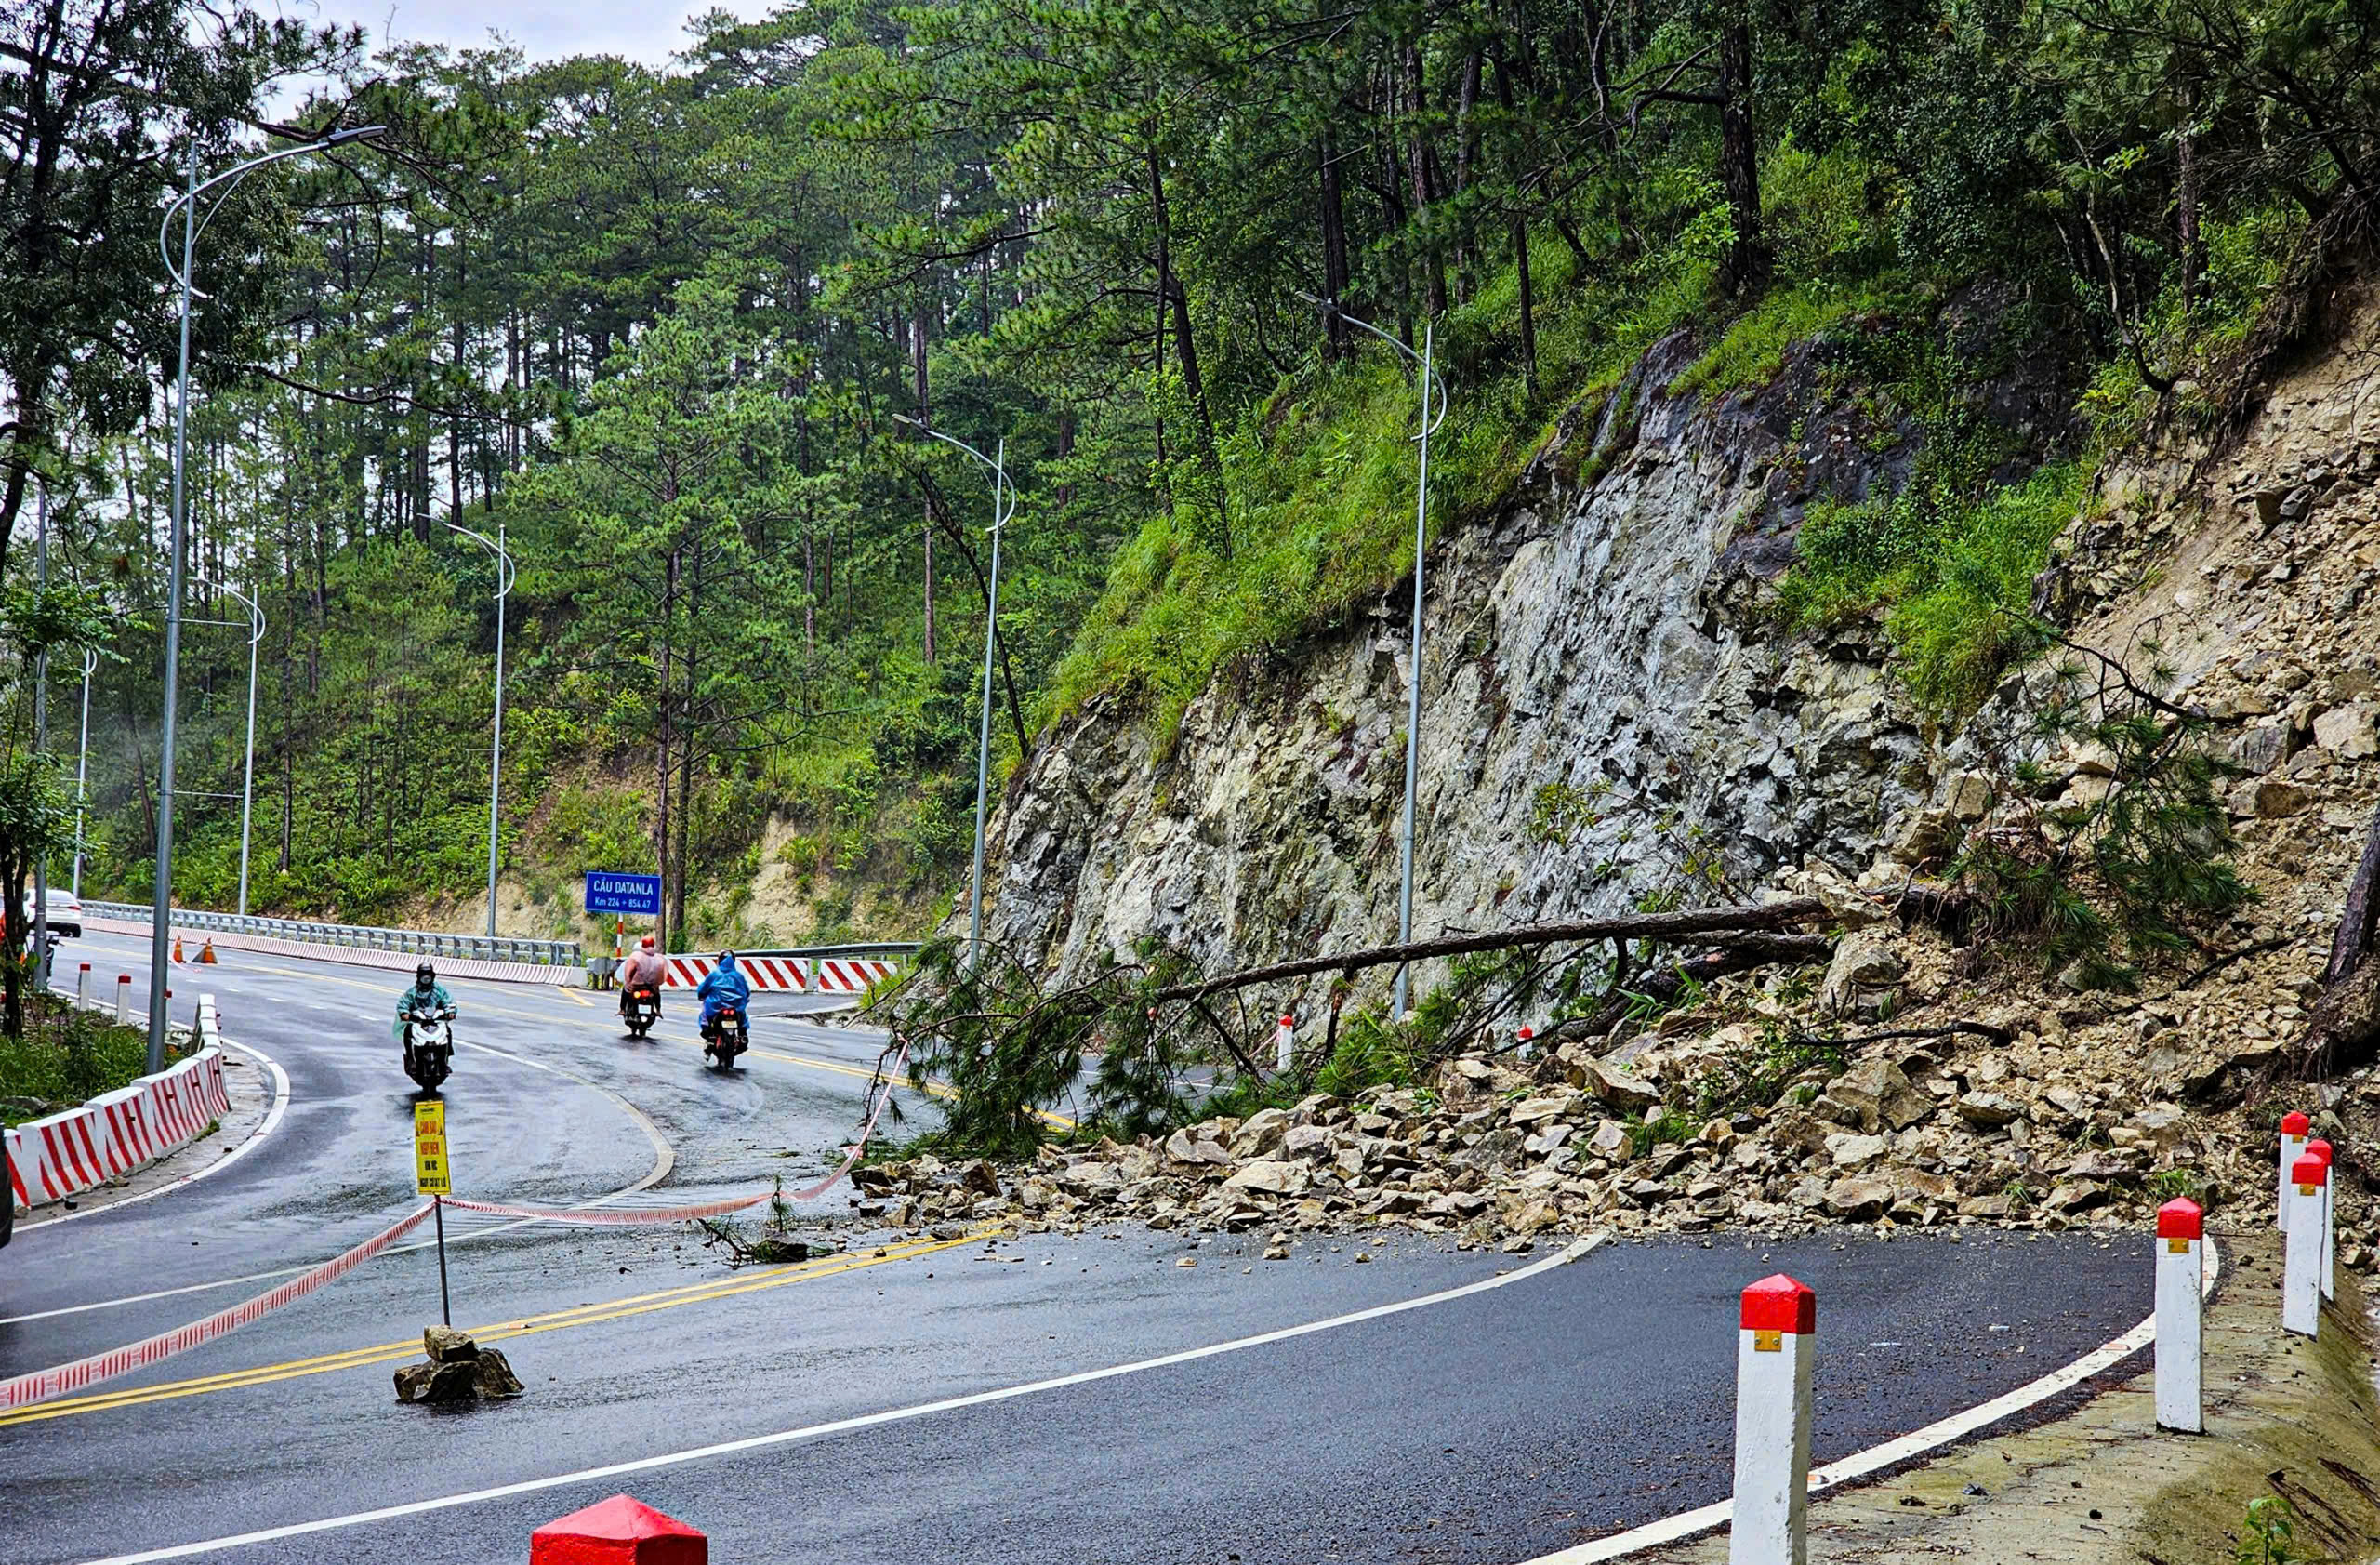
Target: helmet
(645, 943)
(425, 975)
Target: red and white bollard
(2181, 1277)
(2318, 1147)
(83, 984)
(2301, 1279)
(123, 997)
(1526, 1038)
(2295, 1129)
(1284, 1042)
(1773, 1364)
(620, 1530)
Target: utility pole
(162, 880)
(1003, 508)
(41, 740)
(1434, 413)
(495, 755)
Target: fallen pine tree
(1011, 1045)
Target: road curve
(1493, 1427)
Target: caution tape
(43, 1384)
(879, 1092)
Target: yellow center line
(387, 1353)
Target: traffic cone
(206, 951)
(177, 948)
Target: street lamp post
(1003, 508)
(248, 780)
(495, 755)
(82, 769)
(161, 914)
(1431, 388)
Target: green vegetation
(660, 327)
(2267, 1532)
(63, 1058)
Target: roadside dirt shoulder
(2104, 1486)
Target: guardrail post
(2321, 1149)
(2181, 1235)
(2301, 1283)
(2295, 1129)
(1779, 1327)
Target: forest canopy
(661, 329)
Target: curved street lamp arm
(256, 613)
(233, 174)
(503, 558)
(1437, 381)
(1001, 480)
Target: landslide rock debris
(459, 1370)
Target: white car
(64, 912)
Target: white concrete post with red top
(1526, 1038)
(2301, 1280)
(123, 996)
(2295, 1129)
(83, 984)
(2318, 1147)
(1284, 1042)
(1768, 1523)
(2181, 1244)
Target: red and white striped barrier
(43, 1384)
(2295, 1129)
(1774, 1361)
(117, 1132)
(783, 973)
(2302, 1257)
(2181, 1278)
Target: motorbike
(430, 1045)
(641, 1009)
(726, 1036)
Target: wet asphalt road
(1493, 1427)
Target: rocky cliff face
(1604, 714)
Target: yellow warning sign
(431, 1176)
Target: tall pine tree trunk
(1335, 333)
(1745, 268)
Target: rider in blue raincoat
(722, 989)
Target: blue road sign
(610, 892)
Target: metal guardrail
(412, 942)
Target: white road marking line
(270, 1122)
(1875, 1459)
(844, 1426)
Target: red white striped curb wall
(43, 1384)
(117, 1132)
(783, 973)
